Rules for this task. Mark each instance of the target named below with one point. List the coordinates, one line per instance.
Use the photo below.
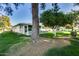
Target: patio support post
(27, 30)
(23, 29)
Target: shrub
(62, 34)
(73, 34)
(47, 35)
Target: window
(20, 26)
(25, 28)
(30, 27)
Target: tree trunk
(54, 31)
(73, 26)
(35, 22)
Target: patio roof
(22, 24)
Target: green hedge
(51, 35)
(47, 35)
(62, 34)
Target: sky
(24, 14)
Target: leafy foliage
(47, 35)
(53, 18)
(48, 18)
(5, 22)
(55, 8)
(7, 7)
(59, 34)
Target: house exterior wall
(24, 29)
(16, 29)
(21, 29)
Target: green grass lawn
(71, 50)
(47, 35)
(7, 39)
(58, 34)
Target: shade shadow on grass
(71, 50)
(8, 39)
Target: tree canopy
(5, 23)
(49, 19)
(7, 7)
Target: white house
(25, 28)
